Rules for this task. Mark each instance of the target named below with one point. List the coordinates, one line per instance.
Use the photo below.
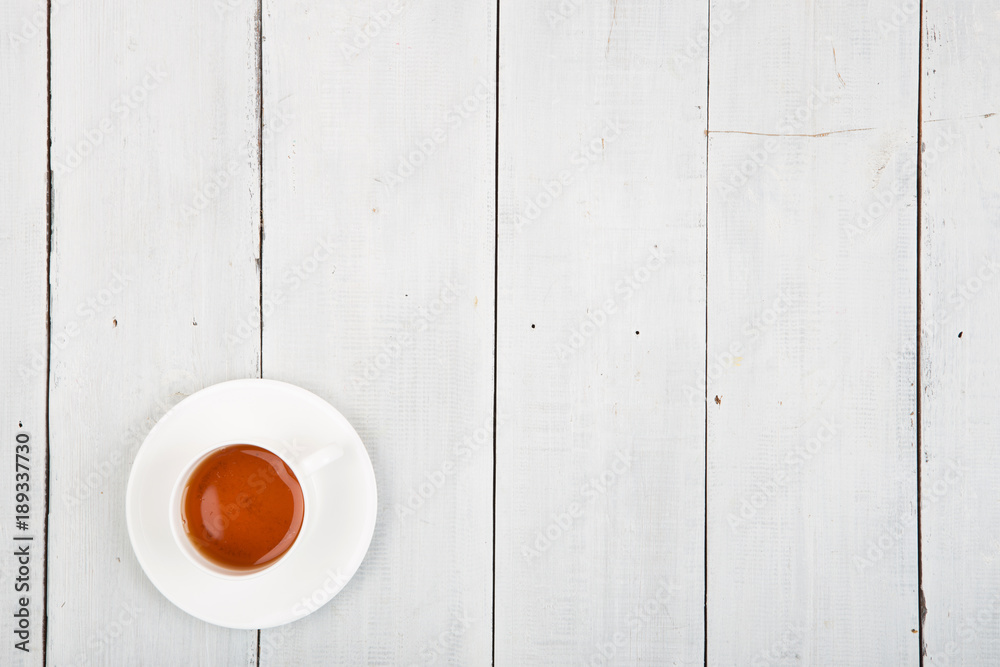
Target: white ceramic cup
(301, 465)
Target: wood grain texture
(375, 284)
(812, 541)
(378, 296)
(154, 247)
(960, 296)
(24, 348)
(601, 334)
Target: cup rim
(176, 521)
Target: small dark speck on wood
(194, 322)
(114, 322)
(532, 326)
(960, 333)
(718, 401)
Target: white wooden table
(668, 345)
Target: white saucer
(340, 517)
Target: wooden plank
(812, 545)
(601, 334)
(378, 296)
(154, 247)
(24, 349)
(960, 294)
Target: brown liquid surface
(242, 507)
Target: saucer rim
(361, 549)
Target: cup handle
(320, 458)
